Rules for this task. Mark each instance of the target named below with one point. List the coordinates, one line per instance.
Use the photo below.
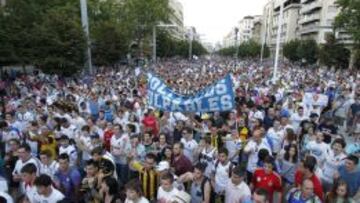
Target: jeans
(122, 171)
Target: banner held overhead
(217, 97)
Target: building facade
(289, 26)
(230, 39)
(177, 18)
(245, 28)
(256, 30)
(316, 19)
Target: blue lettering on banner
(217, 97)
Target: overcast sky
(215, 18)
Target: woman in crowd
(339, 193)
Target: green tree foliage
(109, 38)
(308, 51)
(333, 53)
(141, 16)
(290, 50)
(167, 46)
(248, 49)
(229, 51)
(47, 34)
(349, 17)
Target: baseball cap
(181, 197)
(64, 137)
(95, 136)
(162, 166)
(205, 116)
(313, 115)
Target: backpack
(230, 167)
(212, 193)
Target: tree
(290, 50)
(198, 49)
(333, 53)
(229, 51)
(349, 18)
(308, 51)
(266, 51)
(47, 34)
(166, 45)
(109, 38)
(141, 16)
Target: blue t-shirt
(94, 108)
(352, 179)
(68, 181)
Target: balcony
(309, 18)
(309, 29)
(306, 1)
(308, 8)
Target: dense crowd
(95, 139)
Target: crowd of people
(95, 139)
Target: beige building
(256, 30)
(316, 19)
(289, 29)
(245, 28)
(177, 18)
(230, 39)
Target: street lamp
(85, 24)
(278, 37)
(236, 41)
(154, 38)
(190, 43)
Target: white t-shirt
(318, 150)
(30, 192)
(70, 131)
(49, 170)
(20, 164)
(142, 200)
(164, 197)
(189, 147)
(253, 149)
(119, 147)
(331, 165)
(237, 193)
(54, 197)
(86, 141)
(8, 198)
(277, 138)
(233, 146)
(221, 176)
(71, 152)
(296, 119)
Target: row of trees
(167, 46)
(331, 54)
(49, 34)
(248, 49)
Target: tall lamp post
(278, 38)
(85, 24)
(264, 37)
(236, 42)
(190, 43)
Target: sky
(213, 19)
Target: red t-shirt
(151, 123)
(299, 176)
(270, 182)
(107, 139)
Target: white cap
(162, 166)
(181, 197)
